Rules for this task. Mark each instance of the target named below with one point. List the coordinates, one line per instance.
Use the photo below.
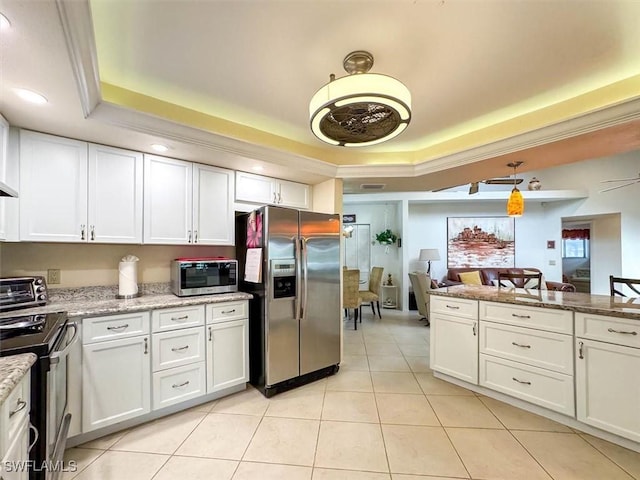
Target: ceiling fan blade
(621, 180)
(619, 186)
(473, 188)
(502, 181)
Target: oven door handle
(54, 358)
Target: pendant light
(515, 204)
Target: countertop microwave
(203, 276)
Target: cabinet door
(53, 188)
(608, 387)
(454, 346)
(167, 200)
(213, 214)
(255, 188)
(4, 140)
(116, 381)
(227, 354)
(292, 194)
(17, 455)
(115, 195)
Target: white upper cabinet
(213, 217)
(266, 190)
(187, 203)
(167, 200)
(53, 188)
(71, 191)
(115, 195)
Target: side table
(389, 296)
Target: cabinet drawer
(222, 312)
(178, 347)
(533, 347)
(620, 331)
(454, 306)
(535, 385)
(178, 384)
(560, 321)
(98, 329)
(172, 318)
(15, 410)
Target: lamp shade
(515, 204)
(428, 254)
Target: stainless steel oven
(50, 337)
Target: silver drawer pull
(19, 406)
(177, 349)
(520, 345)
(118, 327)
(228, 311)
(611, 330)
(520, 316)
(177, 319)
(521, 381)
(175, 385)
(452, 307)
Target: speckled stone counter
(12, 369)
(576, 302)
(94, 301)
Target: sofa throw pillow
(533, 283)
(470, 278)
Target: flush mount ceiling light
(362, 108)
(515, 204)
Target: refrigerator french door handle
(303, 246)
(298, 314)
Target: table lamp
(428, 254)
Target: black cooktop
(32, 333)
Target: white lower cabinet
(454, 346)
(227, 346)
(14, 432)
(179, 370)
(178, 384)
(116, 378)
(607, 374)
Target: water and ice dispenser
(283, 273)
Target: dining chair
(350, 294)
(372, 294)
(531, 280)
(632, 283)
(421, 284)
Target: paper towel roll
(128, 284)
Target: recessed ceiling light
(258, 168)
(5, 24)
(31, 96)
(159, 147)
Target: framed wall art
(481, 242)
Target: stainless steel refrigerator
(295, 322)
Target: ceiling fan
(629, 181)
(474, 186)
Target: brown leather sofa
(487, 275)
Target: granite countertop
(12, 369)
(93, 301)
(574, 301)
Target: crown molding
(463, 196)
(75, 18)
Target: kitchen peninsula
(571, 357)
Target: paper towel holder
(128, 297)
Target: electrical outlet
(53, 276)
(552, 262)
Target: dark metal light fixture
(362, 108)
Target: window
(575, 248)
(575, 243)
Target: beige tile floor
(382, 417)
